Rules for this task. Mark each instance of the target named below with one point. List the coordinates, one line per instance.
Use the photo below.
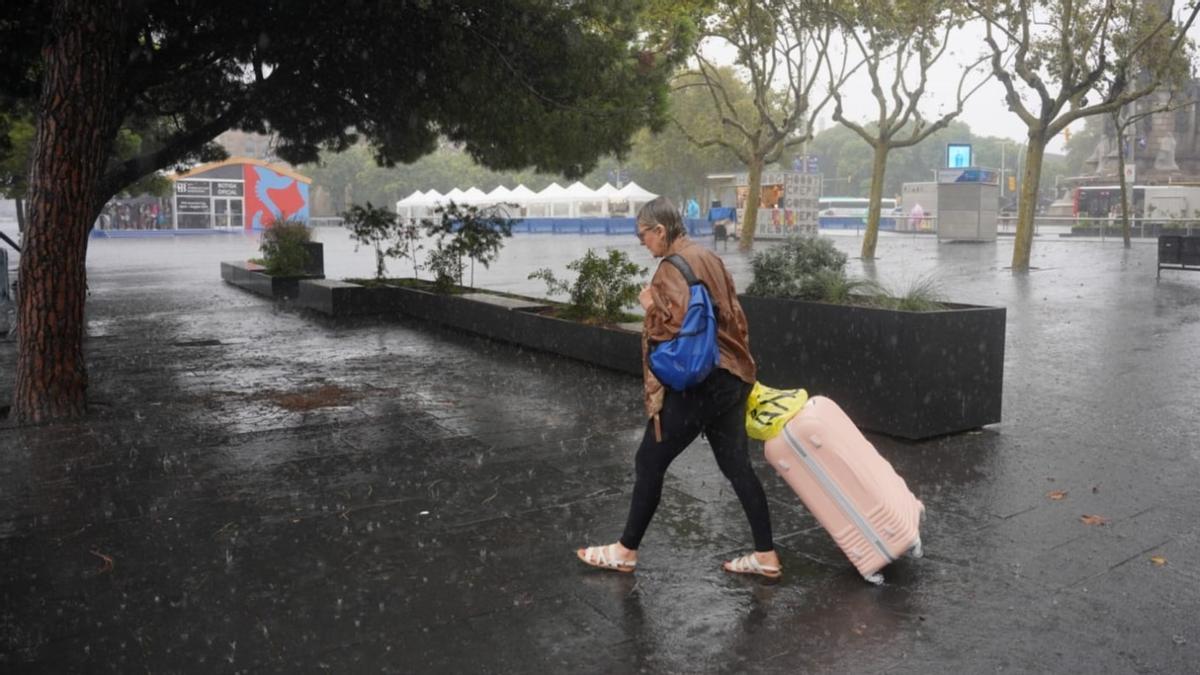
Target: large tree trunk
(753, 201)
(1124, 186)
(77, 123)
(874, 204)
(1027, 209)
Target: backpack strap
(684, 268)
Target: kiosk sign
(958, 155)
(228, 188)
(193, 187)
(192, 205)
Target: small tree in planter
(603, 288)
(282, 247)
(407, 244)
(374, 227)
(474, 233)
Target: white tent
(585, 203)
(629, 199)
(552, 202)
(455, 196)
(500, 194)
(504, 200)
(606, 190)
(520, 196)
(635, 192)
(474, 196)
(406, 206)
(424, 208)
(522, 193)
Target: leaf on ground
(107, 565)
(1093, 520)
(1057, 495)
(1158, 560)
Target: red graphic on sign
(288, 199)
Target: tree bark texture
(1027, 208)
(874, 204)
(77, 123)
(1124, 187)
(753, 201)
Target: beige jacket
(670, 294)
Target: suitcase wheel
(917, 551)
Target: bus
(851, 213)
(1147, 202)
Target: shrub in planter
(468, 231)
(806, 268)
(283, 248)
(604, 287)
(447, 266)
(810, 268)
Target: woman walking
(715, 406)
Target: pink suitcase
(854, 492)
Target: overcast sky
(986, 112)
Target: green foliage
(446, 265)
(406, 243)
(282, 248)
(834, 286)
(475, 233)
(800, 267)
(376, 227)
(846, 160)
(590, 74)
(810, 268)
(16, 145)
(922, 295)
(603, 287)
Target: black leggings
(716, 406)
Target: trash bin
(1189, 251)
(1169, 249)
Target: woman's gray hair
(662, 211)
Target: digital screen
(958, 155)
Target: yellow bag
(767, 410)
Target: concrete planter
(521, 321)
(907, 374)
(252, 278)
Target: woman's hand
(645, 298)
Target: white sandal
(748, 564)
(605, 557)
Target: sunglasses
(641, 234)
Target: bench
(1178, 252)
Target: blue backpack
(688, 358)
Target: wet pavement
(264, 490)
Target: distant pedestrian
(715, 406)
(916, 217)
